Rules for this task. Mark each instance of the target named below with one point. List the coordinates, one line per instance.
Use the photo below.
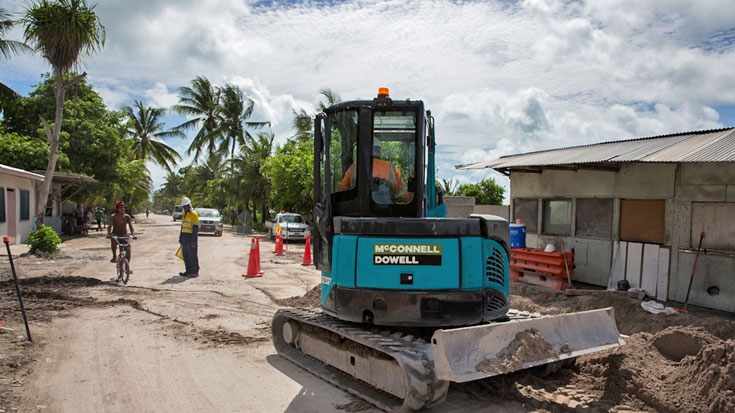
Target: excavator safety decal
(407, 254)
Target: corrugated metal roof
(704, 146)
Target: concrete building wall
(459, 206)
(679, 185)
(499, 210)
(19, 229)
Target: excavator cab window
(393, 157)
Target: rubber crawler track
(413, 356)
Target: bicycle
(123, 264)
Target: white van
(178, 212)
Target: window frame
(528, 215)
(546, 217)
(586, 211)
(3, 218)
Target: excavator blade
(472, 353)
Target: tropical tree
(8, 48)
(303, 122)
(290, 172)
(449, 187)
(61, 30)
(201, 176)
(91, 140)
(23, 152)
(201, 103)
(171, 186)
(145, 128)
(486, 192)
(169, 192)
(235, 110)
(246, 168)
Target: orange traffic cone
(307, 251)
(257, 251)
(279, 245)
(254, 261)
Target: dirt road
(165, 343)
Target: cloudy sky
(500, 77)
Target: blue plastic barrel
(517, 235)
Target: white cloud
(500, 77)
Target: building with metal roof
(704, 146)
(635, 210)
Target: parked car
(293, 226)
(210, 221)
(178, 212)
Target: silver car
(292, 226)
(210, 220)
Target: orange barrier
(307, 251)
(254, 260)
(279, 245)
(535, 266)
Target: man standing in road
(188, 239)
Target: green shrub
(258, 227)
(44, 239)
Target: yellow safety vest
(188, 221)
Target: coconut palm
(304, 122)
(449, 187)
(9, 47)
(200, 102)
(172, 185)
(246, 166)
(63, 31)
(233, 123)
(145, 129)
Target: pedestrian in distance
(188, 238)
(98, 216)
(120, 221)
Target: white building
(18, 192)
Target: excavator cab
(369, 162)
(387, 254)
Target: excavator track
(393, 371)
(400, 372)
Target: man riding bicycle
(119, 223)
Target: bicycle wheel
(120, 267)
(126, 271)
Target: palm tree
(304, 123)
(247, 164)
(233, 119)
(449, 187)
(201, 102)
(171, 187)
(62, 31)
(9, 47)
(146, 131)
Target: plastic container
(517, 235)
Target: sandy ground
(164, 343)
